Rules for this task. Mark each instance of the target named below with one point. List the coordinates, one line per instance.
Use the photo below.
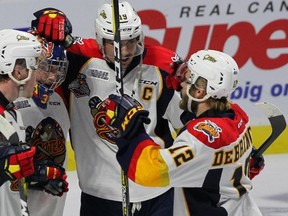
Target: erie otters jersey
(9, 191)
(90, 81)
(48, 128)
(208, 165)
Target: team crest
(210, 129)
(48, 136)
(209, 58)
(79, 87)
(98, 112)
(103, 14)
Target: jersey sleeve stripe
(147, 166)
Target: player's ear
(16, 73)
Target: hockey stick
(11, 135)
(119, 89)
(277, 122)
(117, 46)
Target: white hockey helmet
(15, 44)
(130, 23)
(219, 69)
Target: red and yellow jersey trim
(147, 167)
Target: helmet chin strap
(21, 91)
(23, 81)
(191, 98)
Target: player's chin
(125, 63)
(183, 102)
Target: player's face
(184, 85)
(48, 77)
(29, 86)
(128, 51)
(23, 73)
(52, 73)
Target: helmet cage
(52, 73)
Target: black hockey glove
(16, 162)
(256, 164)
(53, 25)
(50, 177)
(126, 114)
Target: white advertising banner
(254, 32)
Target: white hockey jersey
(49, 128)
(208, 164)
(9, 193)
(97, 167)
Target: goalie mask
(21, 47)
(51, 72)
(130, 27)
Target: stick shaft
(120, 90)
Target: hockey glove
(256, 164)
(174, 80)
(53, 25)
(49, 176)
(126, 114)
(16, 162)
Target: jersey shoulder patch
(216, 132)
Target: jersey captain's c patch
(210, 129)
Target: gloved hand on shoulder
(53, 25)
(126, 114)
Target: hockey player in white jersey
(46, 120)
(90, 81)
(18, 61)
(208, 163)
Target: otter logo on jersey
(210, 129)
(79, 87)
(98, 112)
(49, 136)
